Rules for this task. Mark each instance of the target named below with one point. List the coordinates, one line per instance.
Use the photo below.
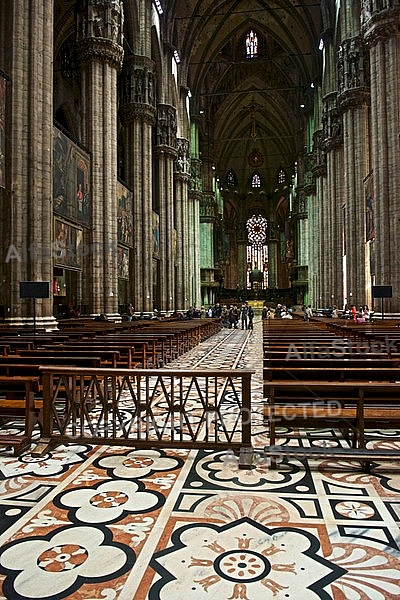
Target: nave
(108, 522)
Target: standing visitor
(250, 314)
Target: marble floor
(111, 523)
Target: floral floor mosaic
(115, 523)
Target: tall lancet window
(251, 45)
(281, 176)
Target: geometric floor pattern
(111, 523)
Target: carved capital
(208, 208)
(352, 65)
(100, 19)
(319, 156)
(380, 20)
(195, 184)
(138, 82)
(166, 126)
(332, 130)
(137, 112)
(300, 204)
(182, 163)
(100, 50)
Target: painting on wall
(156, 235)
(123, 262)
(3, 88)
(125, 219)
(369, 208)
(67, 248)
(71, 180)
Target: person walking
(233, 317)
(243, 315)
(250, 315)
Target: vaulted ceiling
(260, 104)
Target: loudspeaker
(34, 289)
(381, 291)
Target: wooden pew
(349, 388)
(347, 404)
(108, 358)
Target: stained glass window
(257, 230)
(231, 178)
(256, 181)
(281, 176)
(251, 45)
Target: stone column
(318, 231)
(183, 250)
(380, 29)
(27, 206)
(353, 100)
(272, 256)
(193, 263)
(166, 154)
(330, 215)
(208, 216)
(242, 256)
(138, 117)
(99, 49)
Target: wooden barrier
(17, 401)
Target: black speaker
(381, 291)
(34, 289)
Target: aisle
(115, 523)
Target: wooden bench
(348, 405)
(131, 355)
(51, 359)
(17, 401)
(108, 358)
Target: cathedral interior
(160, 156)
(174, 154)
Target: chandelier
(257, 230)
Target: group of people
(233, 316)
(360, 315)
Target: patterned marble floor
(115, 523)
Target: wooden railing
(208, 409)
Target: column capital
(182, 163)
(100, 50)
(137, 112)
(319, 156)
(379, 20)
(332, 131)
(138, 81)
(300, 204)
(195, 184)
(166, 127)
(99, 31)
(308, 182)
(208, 208)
